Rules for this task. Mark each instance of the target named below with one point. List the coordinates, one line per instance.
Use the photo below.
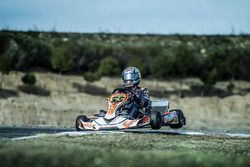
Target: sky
(128, 16)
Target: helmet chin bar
(129, 83)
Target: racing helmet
(131, 76)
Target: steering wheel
(123, 90)
(126, 91)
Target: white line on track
(71, 134)
(238, 135)
(192, 133)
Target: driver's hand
(136, 98)
(134, 94)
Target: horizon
(35, 30)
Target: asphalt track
(16, 132)
(19, 133)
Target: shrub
(174, 55)
(109, 66)
(209, 78)
(185, 62)
(6, 58)
(230, 86)
(5, 64)
(62, 59)
(232, 63)
(32, 52)
(163, 65)
(29, 79)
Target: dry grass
(65, 103)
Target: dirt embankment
(65, 102)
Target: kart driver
(131, 77)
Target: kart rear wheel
(155, 120)
(77, 123)
(181, 119)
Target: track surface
(31, 132)
(15, 132)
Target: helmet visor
(129, 76)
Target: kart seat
(159, 105)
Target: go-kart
(155, 115)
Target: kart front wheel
(78, 122)
(155, 120)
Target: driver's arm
(143, 99)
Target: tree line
(211, 58)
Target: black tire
(80, 117)
(155, 120)
(181, 119)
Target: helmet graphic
(131, 76)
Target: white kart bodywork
(117, 123)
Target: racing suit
(141, 100)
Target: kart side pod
(173, 118)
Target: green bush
(29, 79)
(5, 64)
(61, 59)
(232, 63)
(109, 66)
(32, 52)
(4, 67)
(209, 78)
(158, 55)
(185, 62)
(230, 86)
(244, 67)
(163, 65)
